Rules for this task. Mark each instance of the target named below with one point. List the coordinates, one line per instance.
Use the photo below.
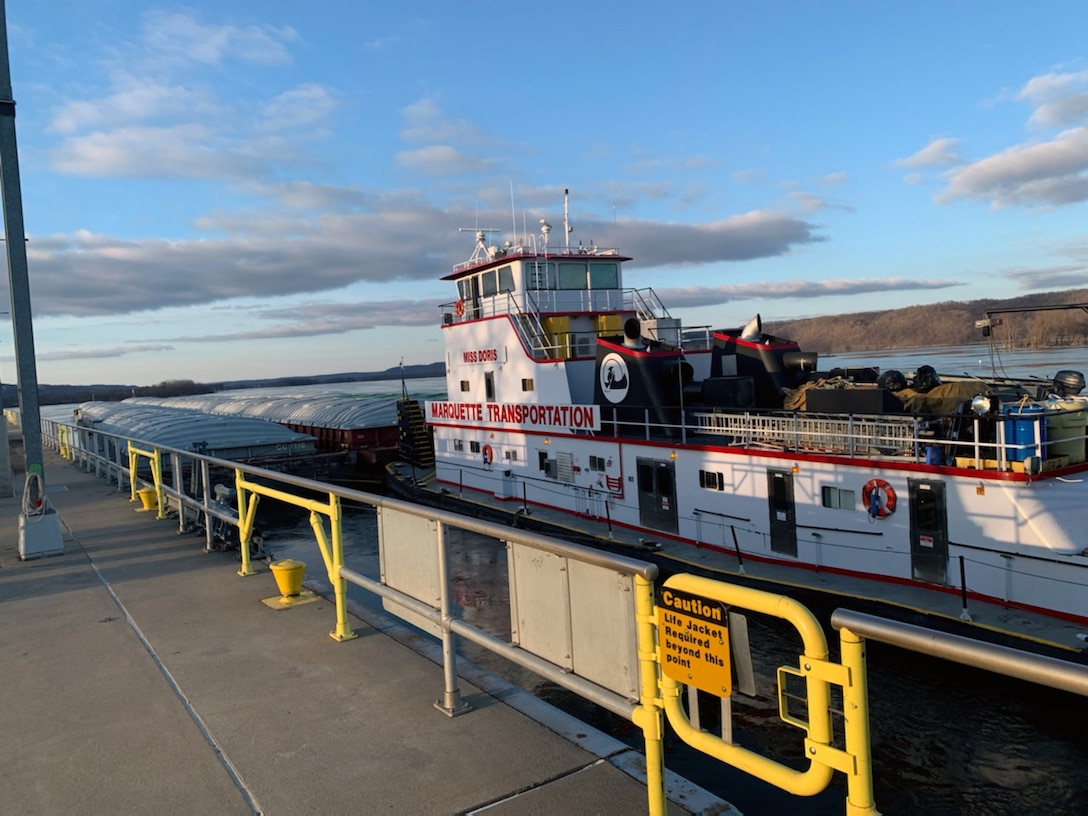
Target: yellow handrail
(819, 673)
(333, 555)
(155, 457)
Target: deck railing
(981, 443)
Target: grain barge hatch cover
(240, 439)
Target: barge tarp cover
(235, 438)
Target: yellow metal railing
(332, 553)
(819, 675)
(155, 458)
(649, 715)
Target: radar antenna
(479, 254)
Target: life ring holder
(489, 455)
(872, 494)
(459, 308)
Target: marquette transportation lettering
(560, 417)
(595, 401)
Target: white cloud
(692, 296)
(159, 118)
(268, 254)
(674, 163)
(316, 319)
(178, 151)
(810, 202)
(739, 238)
(134, 101)
(179, 38)
(750, 176)
(1049, 173)
(1056, 98)
(1064, 276)
(305, 195)
(938, 153)
(441, 160)
(84, 353)
(426, 123)
(304, 106)
(1042, 173)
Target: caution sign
(693, 641)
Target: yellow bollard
(288, 575)
(148, 497)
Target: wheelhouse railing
(528, 310)
(982, 443)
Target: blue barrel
(1023, 421)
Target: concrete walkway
(143, 675)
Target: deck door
(782, 512)
(928, 531)
(469, 291)
(657, 494)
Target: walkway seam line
(536, 786)
(234, 774)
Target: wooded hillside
(943, 324)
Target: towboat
(568, 391)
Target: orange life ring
(878, 498)
(459, 308)
(489, 455)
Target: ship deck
(143, 675)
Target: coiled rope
(34, 500)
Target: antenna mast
(566, 218)
(513, 214)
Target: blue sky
(252, 189)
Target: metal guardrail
(853, 435)
(856, 435)
(558, 591)
(1044, 671)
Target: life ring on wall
(879, 498)
(459, 308)
(489, 455)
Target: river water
(980, 360)
(945, 739)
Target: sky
(220, 191)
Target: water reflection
(980, 360)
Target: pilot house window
(604, 276)
(541, 275)
(572, 276)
